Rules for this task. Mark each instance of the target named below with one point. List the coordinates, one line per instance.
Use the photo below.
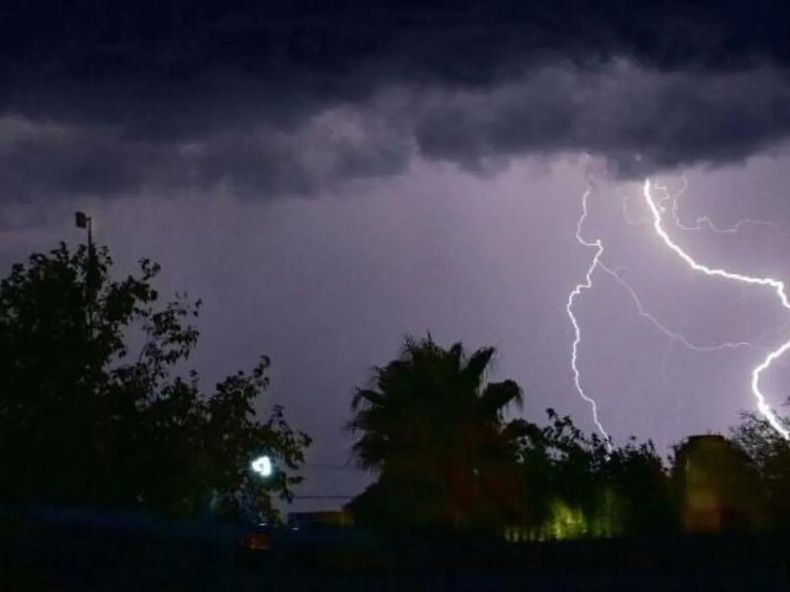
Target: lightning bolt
(672, 335)
(705, 222)
(597, 244)
(597, 263)
(777, 286)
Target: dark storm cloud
(55, 159)
(111, 99)
(642, 121)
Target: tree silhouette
(579, 487)
(770, 454)
(94, 410)
(435, 434)
(717, 486)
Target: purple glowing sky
(331, 178)
(329, 286)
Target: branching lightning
(672, 335)
(705, 222)
(777, 286)
(656, 208)
(597, 244)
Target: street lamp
(84, 221)
(81, 220)
(262, 466)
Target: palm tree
(435, 433)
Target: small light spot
(263, 466)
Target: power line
(324, 496)
(331, 467)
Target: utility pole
(91, 273)
(83, 221)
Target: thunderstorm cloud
(268, 99)
(181, 126)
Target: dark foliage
(614, 491)
(434, 432)
(770, 455)
(94, 408)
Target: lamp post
(262, 466)
(81, 220)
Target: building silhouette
(717, 487)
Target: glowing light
(575, 293)
(776, 285)
(262, 466)
(564, 522)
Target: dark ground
(82, 551)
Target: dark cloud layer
(120, 98)
(642, 120)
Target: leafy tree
(93, 408)
(577, 486)
(434, 432)
(770, 453)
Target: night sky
(330, 176)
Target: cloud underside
(293, 98)
(641, 120)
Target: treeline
(446, 458)
(98, 408)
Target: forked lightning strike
(575, 293)
(672, 335)
(776, 285)
(705, 222)
(656, 210)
